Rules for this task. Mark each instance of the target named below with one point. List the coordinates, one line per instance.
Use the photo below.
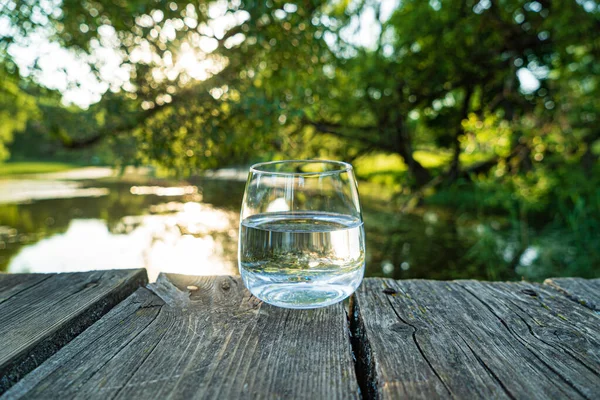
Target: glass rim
(258, 168)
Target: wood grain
(201, 337)
(13, 284)
(584, 291)
(40, 313)
(468, 339)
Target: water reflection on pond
(192, 229)
(196, 240)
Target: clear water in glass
(297, 250)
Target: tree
(280, 76)
(16, 107)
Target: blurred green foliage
(16, 107)
(485, 106)
(312, 78)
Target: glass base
(307, 290)
(301, 295)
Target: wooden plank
(13, 284)
(584, 291)
(201, 337)
(468, 339)
(40, 313)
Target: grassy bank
(33, 167)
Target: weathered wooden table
(105, 335)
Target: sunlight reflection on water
(17, 191)
(163, 191)
(193, 238)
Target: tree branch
(337, 130)
(131, 123)
(72, 144)
(455, 164)
(477, 168)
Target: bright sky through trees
(69, 72)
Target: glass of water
(302, 243)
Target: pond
(79, 221)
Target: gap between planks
(366, 363)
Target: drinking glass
(302, 242)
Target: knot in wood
(225, 285)
(529, 292)
(398, 327)
(566, 335)
(388, 290)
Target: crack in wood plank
(550, 344)
(487, 368)
(364, 362)
(476, 344)
(414, 337)
(523, 342)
